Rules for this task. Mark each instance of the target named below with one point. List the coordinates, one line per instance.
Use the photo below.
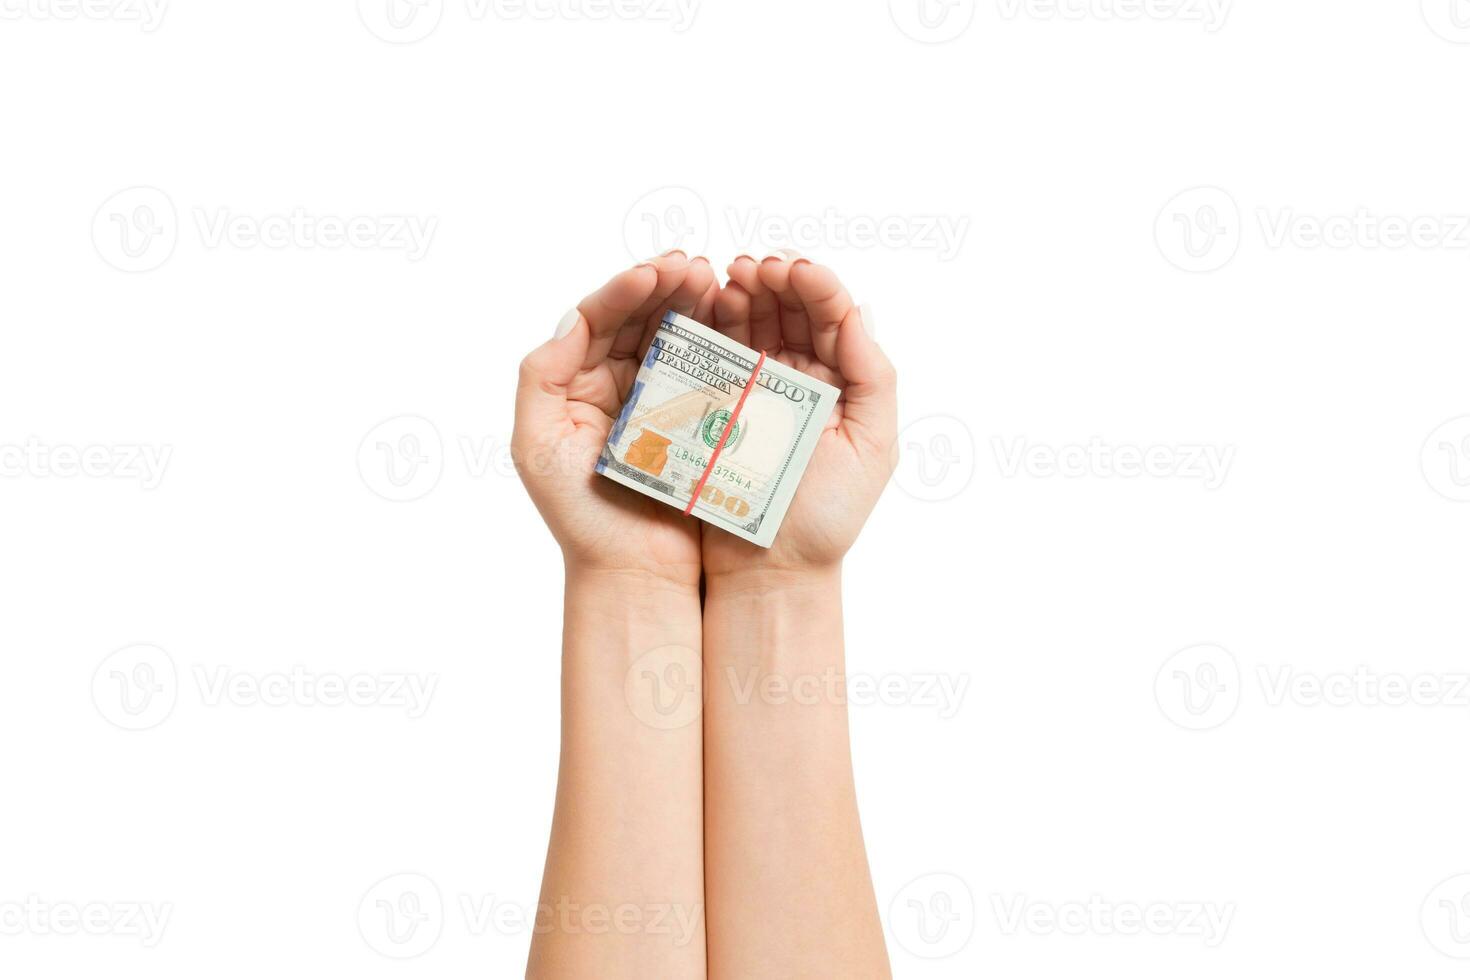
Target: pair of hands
(573, 387)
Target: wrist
(763, 582)
(630, 580)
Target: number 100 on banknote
(671, 442)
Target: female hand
(800, 315)
(571, 390)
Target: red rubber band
(725, 434)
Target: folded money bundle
(698, 435)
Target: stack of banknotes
(683, 399)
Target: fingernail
(782, 254)
(745, 255)
(870, 320)
(674, 251)
(567, 323)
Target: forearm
(787, 878)
(623, 892)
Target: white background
(546, 153)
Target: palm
(571, 391)
(798, 315)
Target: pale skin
(723, 843)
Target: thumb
(870, 415)
(541, 393)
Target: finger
(704, 310)
(870, 412)
(732, 313)
(765, 312)
(610, 307)
(685, 300)
(698, 278)
(546, 372)
(673, 268)
(827, 304)
(796, 331)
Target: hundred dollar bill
(681, 402)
